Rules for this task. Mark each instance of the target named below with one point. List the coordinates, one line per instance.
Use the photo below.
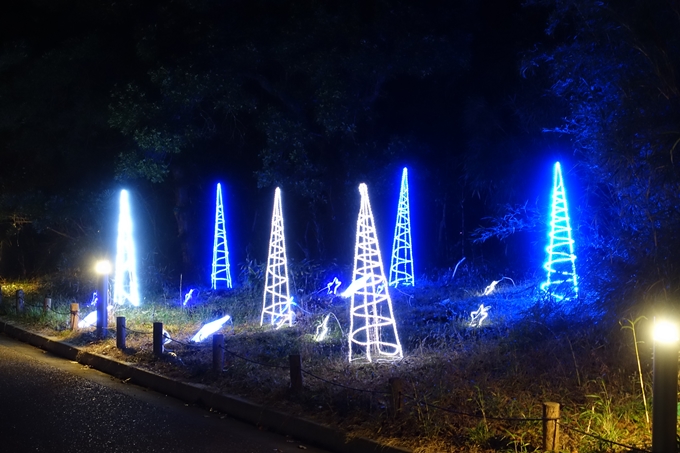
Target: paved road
(48, 404)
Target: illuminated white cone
(221, 273)
(401, 268)
(562, 281)
(125, 284)
(372, 326)
(276, 305)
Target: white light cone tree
(560, 265)
(220, 276)
(401, 268)
(276, 304)
(373, 329)
(125, 285)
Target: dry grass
(465, 388)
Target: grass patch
(465, 388)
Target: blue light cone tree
(220, 276)
(125, 285)
(373, 329)
(276, 304)
(401, 268)
(560, 265)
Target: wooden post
(158, 339)
(75, 308)
(47, 305)
(551, 427)
(295, 372)
(20, 301)
(218, 352)
(121, 332)
(397, 391)
(0, 295)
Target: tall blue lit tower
(221, 273)
(401, 268)
(562, 281)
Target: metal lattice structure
(125, 285)
(401, 268)
(562, 281)
(373, 329)
(276, 304)
(221, 272)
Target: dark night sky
(55, 134)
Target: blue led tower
(372, 325)
(276, 303)
(125, 283)
(561, 282)
(401, 269)
(221, 275)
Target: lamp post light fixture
(665, 387)
(103, 269)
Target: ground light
(102, 269)
(276, 303)
(221, 273)
(665, 387)
(401, 268)
(372, 325)
(561, 281)
(125, 284)
(209, 329)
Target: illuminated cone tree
(276, 305)
(221, 273)
(561, 281)
(372, 326)
(401, 269)
(125, 284)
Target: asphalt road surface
(48, 404)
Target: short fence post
(295, 372)
(120, 332)
(397, 392)
(218, 352)
(551, 427)
(158, 339)
(20, 301)
(47, 305)
(75, 308)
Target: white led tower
(401, 269)
(276, 305)
(561, 282)
(125, 284)
(221, 274)
(372, 326)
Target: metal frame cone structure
(372, 325)
(221, 272)
(276, 304)
(401, 268)
(560, 265)
(125, 285)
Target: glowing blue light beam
(401, 268)
(125, 285)
(479, 315)
(561, 281)
(209, 329)
(221, 272)
(94, 299)
(188, 296)
(322, 329)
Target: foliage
(614, 66)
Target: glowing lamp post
(103, 269)
(665, 391)
(125, 283)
